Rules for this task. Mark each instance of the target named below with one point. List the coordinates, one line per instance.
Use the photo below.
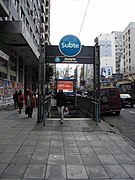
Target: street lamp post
(97, 81)
(41, 89)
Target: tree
(49, 72)
(130, 77)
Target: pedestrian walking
(30, 104)
(20, 101)
(15, 98)
(61, 103)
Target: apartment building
(107, 54)
(21, 24)
(118, 51)
(128, 36)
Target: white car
(127, 99)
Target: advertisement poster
(66, 86)
(7, 89)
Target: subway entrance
(78, 106)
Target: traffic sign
(70, 45)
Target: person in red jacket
(20, 101)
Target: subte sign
(70, 46)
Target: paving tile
(71, 150)
(57, 137)
(100, 150)
(69, 138)
(114, 149)
(56, 143)
(70, 143)
(86, 150)
(2, 147)
(92, 137)
(14, 171)
(56, 172)
(73, 159)
(56, 159)
(3, 166)
(76, 172)
(124, 159)
(26, 149)
(116, 171)
(35, 171)
(96, 171)
(82, 143)
(30, 142)
(6, 157)
(21, 158)
(45, 142)
(41, 149)
(11, 148)
(5, 141)
(56, 150)
(95, 143)
(90, 159)
(130, 168)
(107, 159)
(39, 159)
(132, 156)
(128, 149)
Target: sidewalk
(75, 150)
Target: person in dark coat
(61, 103)
(30, 104)
(15, 98)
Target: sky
(101, 16)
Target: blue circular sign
(57, 59)
(70, 45)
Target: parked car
(110, 100)
(127, 99)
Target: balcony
(4, 12)
(16, 35)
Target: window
(3, 75)
(129, 60)
(12, 78)
(3, 62)
(16, 4)
(22, 15)
(13, 63)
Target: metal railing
(89, 107)
(46, 107)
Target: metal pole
(40, 69)
(97, 82)
(44, 98)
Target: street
(125, 122)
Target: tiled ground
(76, 150)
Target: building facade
(22, 23)
(128, 36)
(107, 54)
(118, 51)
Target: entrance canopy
(53, 55)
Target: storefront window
(13, 63)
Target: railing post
(97, 81)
